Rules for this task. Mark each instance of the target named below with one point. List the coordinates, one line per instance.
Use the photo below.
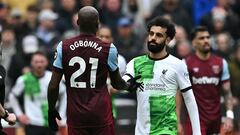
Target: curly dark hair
(162, 22)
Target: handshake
(133, 84)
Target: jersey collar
(158, 58)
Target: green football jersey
(156, 103)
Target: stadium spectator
(4, 13)
(20, 62)
(9, 117)
(66, 11)
(31, 21)
(224, 44)
(110, 13)
(8, 50)
(47, 33)
(128, 43)
(221, 19)
(175, 10)
(234, 67)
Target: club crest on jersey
(216, 69)
(195, 69)
(164, 71)
(163, 75)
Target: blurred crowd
(28, 26)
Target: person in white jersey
(33, 85)
(161, 75)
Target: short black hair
(88, 20)
(162, 22)
(197, 29)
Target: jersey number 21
(81, 70)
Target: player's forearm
(117, 82)
(227, 91)
(178, 106)
(63, 105)
(192, 108)
(2, 111)
(228, 99)
(53, 91)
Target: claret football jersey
(207, 77)
(85, 62)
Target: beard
(154, 47)
(208, 50)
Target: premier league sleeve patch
(55, 55)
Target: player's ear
(168, 40)
(193, 43)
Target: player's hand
(11, 119)
(180, 129)
(24, 119)
(228, 125)
(52, 115)
(134, 85)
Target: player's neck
(203, 56)
(87, 33)
(159, 55)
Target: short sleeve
(129, 71)
(183, 77)
(112, 58)
(122, 64)
(18, 87)
(225, 74)
(58, 57)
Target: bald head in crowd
(88, 20)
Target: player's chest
(205, 69)
(157, 72)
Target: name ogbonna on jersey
(85, 43)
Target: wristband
(230, 114)
(5, 115)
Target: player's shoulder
(191, 57)
(143, 57)
(70, 39)
(215, 57)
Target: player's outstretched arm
(121, 83)
(116, 80)
(53, 91)
(192, 108)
